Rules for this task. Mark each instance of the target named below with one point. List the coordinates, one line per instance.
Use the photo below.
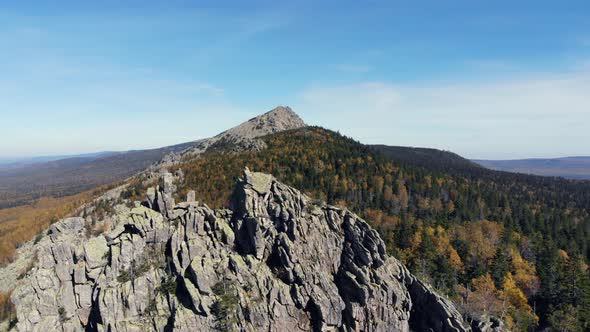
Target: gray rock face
(488, 324)
(276, 262)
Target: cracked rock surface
(278, 260)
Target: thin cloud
(491, 65)
(527, 116)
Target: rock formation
(277, 261)
(242, 137)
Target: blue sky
(489, 79)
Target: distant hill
(431, 159)
(20, 184)
(17, 162)
(569, 167)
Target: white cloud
(379, 97)
(533, 115)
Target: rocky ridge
(277, 261)
(242, 137)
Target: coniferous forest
(507, 245)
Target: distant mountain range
(568, 167)
(16, 162)
(23, 180)
(577, 168)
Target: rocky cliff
(277, 261)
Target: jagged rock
(280, 261)
(167, 183)
(151, 197)
(80, 273)
(433, 311)
(202, 275)
(488, 324)
(66, 226)
(259, 181)
(160, 198)
(190, 196)
(94, 252)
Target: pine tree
(499, 267)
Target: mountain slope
(498, 243)
(455, 229)
(68, 176)
(277, 262)
(243, 136)
(432, 159)
(569, 167)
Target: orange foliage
(482, 298)
(525, 273)
(20, 224)
(520, 314)
(483, 237)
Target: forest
(508, 245)
(22, 223)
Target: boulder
(95, 251)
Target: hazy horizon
(16, 158)
(475, 79)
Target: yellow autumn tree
(442, 242)
(388, 193)
(450, 207)
(403, 196)
(525, 274)
(480, 298)
(520, 314)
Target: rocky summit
(277, 261)
(241, 137)
(280, 118)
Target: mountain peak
(280, 118)
(283, 111)
(283, 117)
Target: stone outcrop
(277, 261)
